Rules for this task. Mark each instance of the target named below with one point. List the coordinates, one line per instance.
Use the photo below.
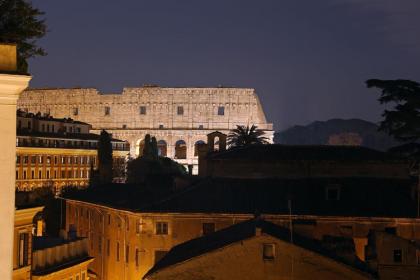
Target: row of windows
(161, 227)
(64, 174)
(143, 110)
(25, 159)
(51, 128)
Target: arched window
(216, 143)
(199, 142)
(162, 148)
(180, 149)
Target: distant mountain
(337, 132)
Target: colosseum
(179, 118)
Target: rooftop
(237, 233)
(45, 117)
(278, 152)
(374, 197)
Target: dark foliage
(105, 158)
(403, 121)
(20, 24)
(244, 136)
(152, 171)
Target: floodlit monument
(12, 84)
(179, 118)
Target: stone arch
(180, 149)
(162, 148)
(199, 142)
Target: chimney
(8, 58)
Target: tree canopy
(20, 24)
(402, 121)
(151, 170)
(244, 136)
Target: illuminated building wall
(54, 152)
(178, 117)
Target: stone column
(11, 85)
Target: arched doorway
(180, 149)
(199, 142)
(162, 148)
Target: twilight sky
(307, 59)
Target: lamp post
(11, 85)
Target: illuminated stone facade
(177, 117)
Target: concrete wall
(244, 260)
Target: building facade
(53, 152)
(22, 244)
(179, 118)
(127, 244)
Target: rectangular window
(32, 174)
(33, 159)
(221, 110)
(162, 228)
(200, 126)
(107, 110)
(142, 110)
(48, 159)
(39, 174)
(40, 159)
(75, 111)
(397, 256)
(269, 251)
(24, 174)
(17, 174)
(332, 193)
(180, 110)
(63, 160)
(63, 174)
(25, 159)
(208, 228)
(108, 247)
(161, 126)
(23, 249)
(137, 257)
(17, 159)
(118, 251)
(127, 253)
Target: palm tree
(243, 136)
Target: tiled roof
(236, 233)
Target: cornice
(11, 86)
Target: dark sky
(307, 59)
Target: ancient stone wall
(172, 115)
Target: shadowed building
(53, 152)
(179, 118)
(296, 161)
(255, 249)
